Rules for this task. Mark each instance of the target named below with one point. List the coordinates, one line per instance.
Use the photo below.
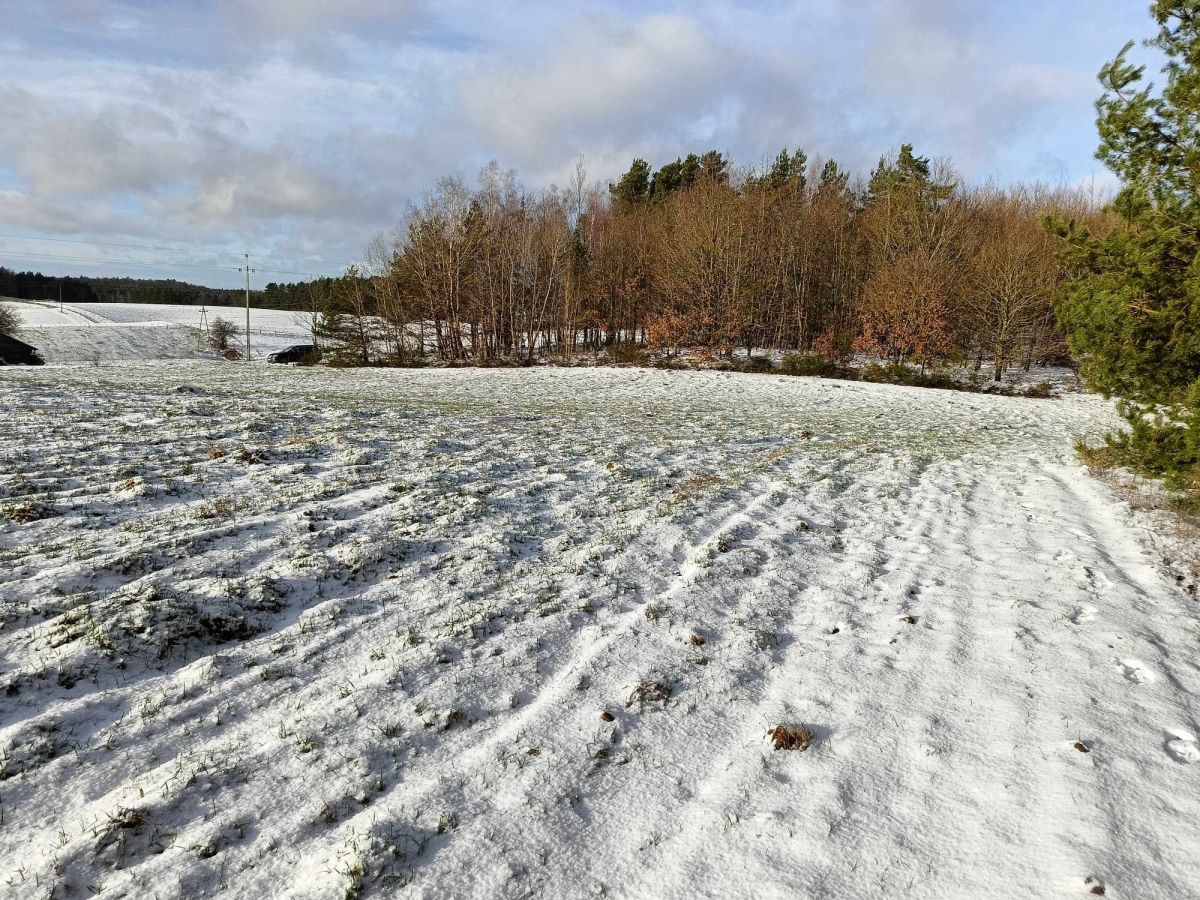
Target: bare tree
(10, 320)
(219, 333)
(1012, 279)
(914, 265)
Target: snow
(305, 633)
(96, 333)
(264, 321)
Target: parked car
(18, 353)
(297, 353)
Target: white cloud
(304, 124)
(292, 17)
(604, 75)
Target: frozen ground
(125, 332)
(315, 634)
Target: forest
(911, 266)
(89, 289)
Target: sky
(298, 130)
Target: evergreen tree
(833, 178)
(788, 169)
(1134, 308)
(667, 180)
(690, 170)
(634, 186)
(909, 173)
(714, 166)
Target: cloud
(294, 17)
(305, 126)
(948, 83)
(606, 82)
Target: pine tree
(634, 186)
(690, 170)
(909, 172)
(833, 178)
(787, 170)
(667, 180)
(715, 167)
(1133, 311)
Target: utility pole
(247, 270)
(203, 330)
(60, 306)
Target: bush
(407, 361)
(877, 373)
(671, 363)
(502, 362)
(219, 332)
(759, 364)
(343, 358)
(888, 374)
(10, 322)
(940, 380)
(1161, 442)
(1042, 390)
(626, 355)
(810, 365)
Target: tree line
(910, 265)
(299, 296)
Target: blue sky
(299, 129)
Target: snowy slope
(270, 329)
(36, 315)
(87, 332)
(104, 343)
(523, 633)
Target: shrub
(626, 355)
(10, 322)
(877, 373)
(501, 362)
(219, 333)
(809, 364)
(759, 364)
(1164, 442)
(891, 374)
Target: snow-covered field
(97, 333)
(470, 633)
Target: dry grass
(694, 487)
(216, 509)
(1148, 497)
(24, 513)
(792, 737)
(1097, 458)
(647, 692)
(245, 455)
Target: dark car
(18, 353)
(297, 353)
